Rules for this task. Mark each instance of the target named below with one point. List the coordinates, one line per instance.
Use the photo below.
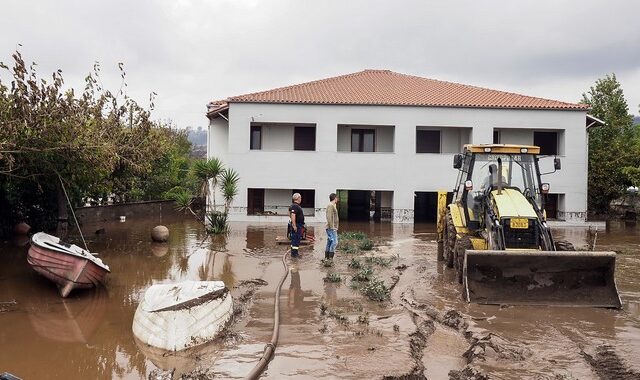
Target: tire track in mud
(482, 343)
(602, 360)
(608, 365)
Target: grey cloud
(190, 52)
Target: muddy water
(88, 336)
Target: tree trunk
(62, 230)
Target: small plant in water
(349, 248)
(323, 308)
(366, 244)
(327, 263)
(378, 261)
(356, 235)
(332, 277)
(355, 264)
(365, 274)
(217, 223)
(338, 316)
(376, 290)
(363, 319)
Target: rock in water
(160, 234)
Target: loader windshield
(518, 171)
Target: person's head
(296, 198)
(333, 197)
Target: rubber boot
(326, 255)
(330, 254)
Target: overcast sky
(192, 51)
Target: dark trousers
(295, 240)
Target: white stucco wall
(402, 171)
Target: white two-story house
(384, 142)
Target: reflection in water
(159, 249)
(296, 298)
(183, 361)
(71, 319)
(330, 293)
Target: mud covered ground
(328, 329)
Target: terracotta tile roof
(384, 87)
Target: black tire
(449, 240)
(563, 245)
(462, 244)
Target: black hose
(270, 347)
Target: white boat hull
(175, 317)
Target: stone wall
(93, 214)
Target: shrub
(365, 274)
(354, 264)
(217, 223)
(332, 277)
(366, 244)
(376, 290)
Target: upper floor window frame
(359, 140)
(255, 137)
(422, 147)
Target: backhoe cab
(496, 236)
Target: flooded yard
(328, 330)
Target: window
(308, 198)
(304, 138)
(363, 140)
(496, 137)
(256, 137)
(427, 141)
(547, 141)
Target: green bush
(354, 264)
(217, 223)
(332, 277)
(356, 235)
(372, 260)
(327, 263)
(376, 290)
(366, 244)
(365, 274)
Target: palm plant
(211, 173)
(183, 201)
(207, 171)
(229, 181)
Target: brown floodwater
(327, 330)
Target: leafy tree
(611, 145)
(100, 145)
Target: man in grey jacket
(332, 227)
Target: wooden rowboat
(67, 265)
(178, 316)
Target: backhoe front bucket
(561, 278)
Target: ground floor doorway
(365, 205)
(425, 206)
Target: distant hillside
(197, 136)
(636, 120)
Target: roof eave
(533, 108)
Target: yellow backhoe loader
(495, 234)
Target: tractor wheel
(449, 240)
(462, 244)
(563, 245)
